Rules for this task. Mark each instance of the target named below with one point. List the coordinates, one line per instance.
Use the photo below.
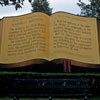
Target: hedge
(6, 79)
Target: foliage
(17, 3)
(6, 79)
(92, 9)
(37, 5)
(41, 6)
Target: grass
(95, 98)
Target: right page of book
(74, 37)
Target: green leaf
(30, 1)
(18, 6)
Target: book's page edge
(70, 14)
(24, 15)
(46, 14)
(98, 29)
(1, 28)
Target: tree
(37, 5)
(41, 6)
(92, 9)
(17, 3)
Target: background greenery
(6, 79)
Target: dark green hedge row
(6, 79)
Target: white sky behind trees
(69, 6)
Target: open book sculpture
(39, 36)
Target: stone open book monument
(39, 36)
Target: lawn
(95, 98)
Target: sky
(69, 6)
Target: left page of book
(25, 38)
